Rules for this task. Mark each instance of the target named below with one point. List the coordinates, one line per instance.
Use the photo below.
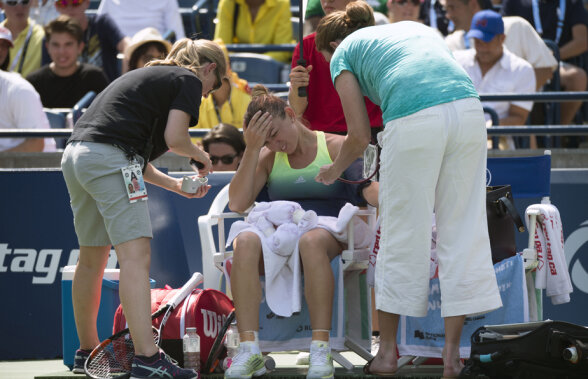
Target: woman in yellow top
(257, 21)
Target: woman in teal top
(433, 159)
(285, 156)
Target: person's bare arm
(154, 176)
(358, 128)
(251, 175)
(178, 140)
(542, 75)
(516, 116)
(577, 45)
(29, 145)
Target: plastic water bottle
(232, 344)
(191, 342)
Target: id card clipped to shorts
(134, 184)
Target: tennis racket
(371, 165)
(113, 357)
(217, 346)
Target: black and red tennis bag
(537, 350)
(204, 309)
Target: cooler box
(108, 304)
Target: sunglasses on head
(226, 159)
(413, 2)
(65, 3)
(13, 3)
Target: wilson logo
(211, 322)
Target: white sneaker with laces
(247, 363)
(321, 361)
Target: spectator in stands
(571, 36)
(25, 55)
(5, 45)
(432, 13)
(494, 69)
(227, 105)
(256, 21)
(314, 13)
(63, 82)
(322, 109)
(134, 121)
(21, 108)
(403, 10)
(285, 156)
(134, 15)
(521, 39)
(225, 146)
(43, 11)
(103, 40)
(433, 158)
(147, 44)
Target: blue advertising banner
(37, 240)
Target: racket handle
(302, 90)
(194, 281)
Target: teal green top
(403, 67)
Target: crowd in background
(66, 48)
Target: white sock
(251, 346)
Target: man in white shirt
(134, 15)
(21, 108)
(521, 38)
(494, 69)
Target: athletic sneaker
(80, 360)
(162, 368)
(321, 361)
(246, 363)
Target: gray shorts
(99, 201)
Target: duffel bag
(538, 350)
(204, 309)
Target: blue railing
(522, 130)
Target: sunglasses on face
(13, 3)
(413, 2)
(226, 159)
(65, 3)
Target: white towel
(281, 256)
(552, 271)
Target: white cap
(6, 35)
(144, 36)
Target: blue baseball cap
(486, 25)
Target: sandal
(368, 371)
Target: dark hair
(65, 24)
(340, 24)
(4, 65)
(143, 49)
(225, 133)
(263, 100)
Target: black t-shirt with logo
(126, 112)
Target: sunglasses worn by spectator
(413, 2)
(226, 159)
(65, 3)
(13, 3)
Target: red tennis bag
(204, 309)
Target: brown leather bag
(502, 219)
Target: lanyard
(20, 51)
(466, 41)
(561, 13)
(433, 15)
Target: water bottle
(191, 342)
(231, 343)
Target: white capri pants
(435, 160)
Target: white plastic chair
(353, 263)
